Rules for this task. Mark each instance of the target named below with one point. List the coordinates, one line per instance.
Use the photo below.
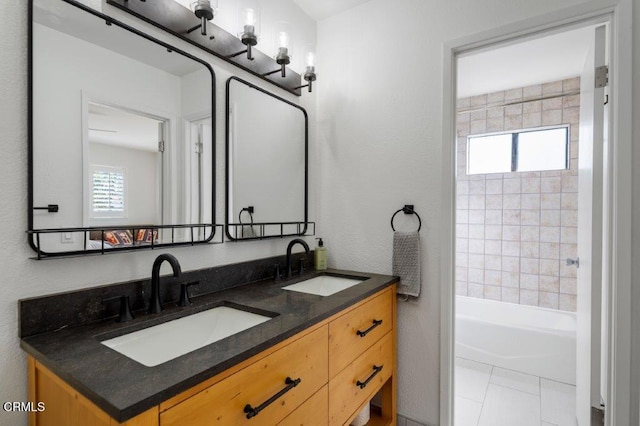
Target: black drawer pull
(364, 384)
(252, 412)
(364, 333)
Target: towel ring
(407, 209)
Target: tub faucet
(289, 247)
(154, 304)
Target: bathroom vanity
(318, 360)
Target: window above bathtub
(526, 150)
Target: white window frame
(112, 214)
(514, 148)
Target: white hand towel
(406, 262)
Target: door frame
(618, 14)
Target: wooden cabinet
(65, 406)
(303, 363)
(362, 360)
(352, 333)
(360, 380)
(314, 411)
(322, 376)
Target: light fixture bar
(177, 20)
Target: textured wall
(514, 230)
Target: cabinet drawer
(314, 411)
(359, 381)
(354, 332)
(224, 403)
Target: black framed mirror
(266, 164)
(122, 136)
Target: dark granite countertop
(123, 388)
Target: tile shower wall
(515, 230)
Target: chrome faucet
(155, 305)
(289, 247)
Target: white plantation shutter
(108, 192)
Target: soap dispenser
(320, 256)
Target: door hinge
(572, 262)
(199, 141)
(602, 76)
(160, 146)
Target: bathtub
(529, 339)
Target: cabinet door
(359, 381)
(63, 404)
(314, 411)
(354, 332)
(262, 386)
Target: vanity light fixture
(182, 18)
(310, 74)
(205, 10)
(283, 41)
(250, 18)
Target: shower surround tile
(514, 230)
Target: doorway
(123, 165)
(516, 234)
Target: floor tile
(471, 379)
(515, 380)
(558, 402)
(507, 407)
(467, 412)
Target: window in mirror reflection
(108, 198)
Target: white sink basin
(324, 285)
(154, 345)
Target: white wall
(23, 277)
(379, 141)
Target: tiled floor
(492, 396)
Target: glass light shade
(308, 55)
(249, 18)
(283, 35)
(283, 39)
(310, 59)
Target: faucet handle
(277, 272)
(184, 293)
(125, 310)
(301, 267)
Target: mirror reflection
(122, 135)
(266, 164)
